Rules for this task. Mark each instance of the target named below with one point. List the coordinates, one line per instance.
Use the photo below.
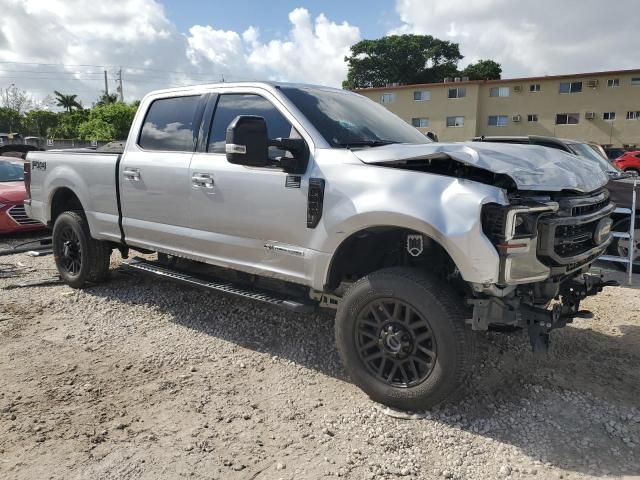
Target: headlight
(514, 230)
(504, 223)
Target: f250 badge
(415, 245)
(38, 165)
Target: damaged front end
(546, 245)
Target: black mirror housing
(247, 142)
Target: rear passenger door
(154, 174)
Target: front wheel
(402, 339)
(79, 258)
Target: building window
(421, 96)
(457, 92)
(420, 122)
(532, 117)
(387, 98)
(570, 87)
(455, 121)
(635, 81)
(613, 82)
(534, 87)
(567, 118)
(499, 92)
(609, 116)
(498, 120)
(633, 115)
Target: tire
(79, 258)
(619, 247)
(437, 326)
(632, 170)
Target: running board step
(153, 269)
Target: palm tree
(107, 98)
(67, 102)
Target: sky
(66, 45)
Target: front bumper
(14, 218)
(566, 238)
(518, 311)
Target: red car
(12, 196)
(629, 161)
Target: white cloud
(88, 35)
(532, 38)
(83, 33)
(313, 51)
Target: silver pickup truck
(306, 197)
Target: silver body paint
(249, 221)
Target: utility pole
(120, 85)
(106, 85)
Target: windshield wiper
(366, 143)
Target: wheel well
(63, 200)
(380, 247)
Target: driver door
(249, 218)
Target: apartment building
(602, 107)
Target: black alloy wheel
(70, 253)
(395, 342)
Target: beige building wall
(478, 105)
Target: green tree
(68, 124)
(10, 120)
(107, 98)
(68, 102)
(96, 129)
(483, 70)
(38, 122)
(108, 122)
(401, 59)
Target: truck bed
(92, 176)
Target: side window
(169, 125)
(231, 105)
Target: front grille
(567, 238)
(574, 239)
(585, 209)
(19, 215)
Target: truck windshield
(11, 171)
(347, 120)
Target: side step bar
(150, 268)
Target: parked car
(306, 197)
(620, 184)
(614, 152)
(13, 217)
(629, 162)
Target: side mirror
(247, 142)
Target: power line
(104, 66)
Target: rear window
(169, 125)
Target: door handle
(202, 180)
(131, 174)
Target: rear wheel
(633, 170)
(79, 258)
(402, 339)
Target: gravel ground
(144, 379)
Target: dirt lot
(145, 379)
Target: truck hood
(13, 192)
(530, 167)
